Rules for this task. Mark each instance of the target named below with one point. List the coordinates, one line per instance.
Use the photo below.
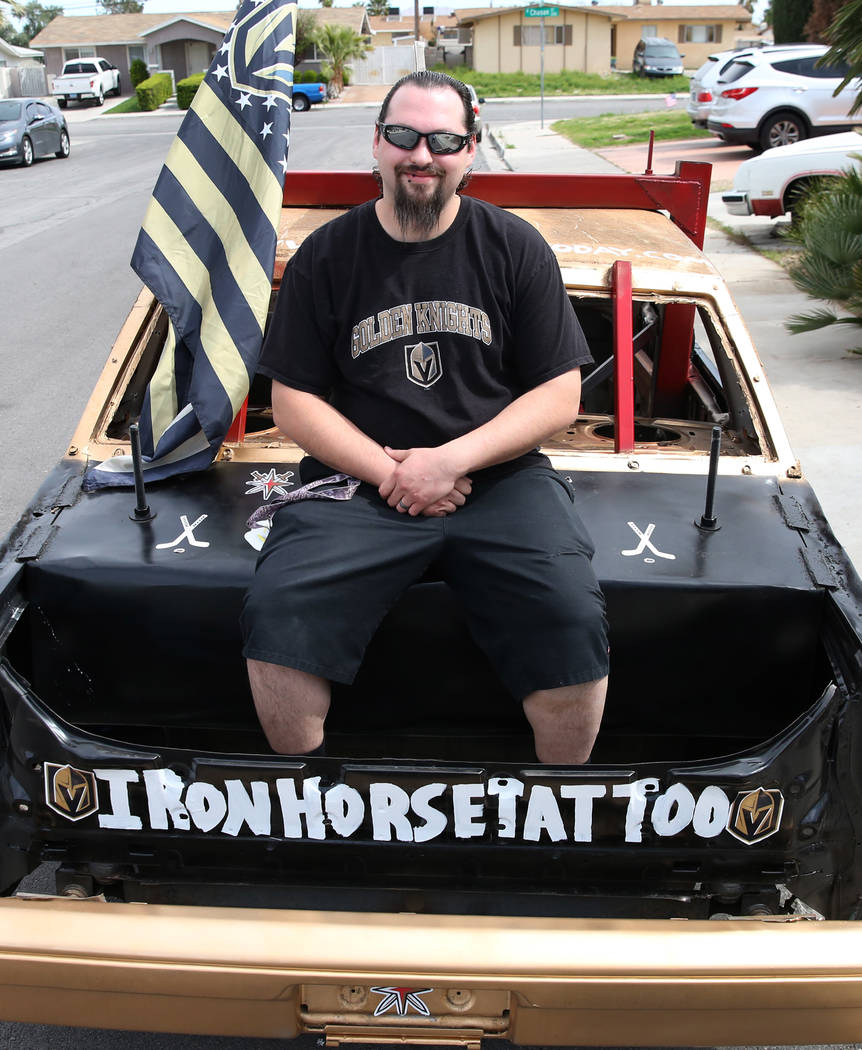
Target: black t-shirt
(418, 343)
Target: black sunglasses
(408, 138)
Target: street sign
(541, 12)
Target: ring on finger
(403, 505)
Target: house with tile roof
(184, 43)
(697, 31)
(505, 40)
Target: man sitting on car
(423, 343)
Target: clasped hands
(424, 481)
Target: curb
(498, 147)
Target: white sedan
(774, 182)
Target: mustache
(419, 169)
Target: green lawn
(129, 105)
(621, 129)
(508, 85)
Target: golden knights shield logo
(70, 792)
(755, 815)
(424, 367)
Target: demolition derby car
(426, 881)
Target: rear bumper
(562, 982)
(735, 136)
(736, 203)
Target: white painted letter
(118, 781)
(345, 809)
(311, 807)
(711, 813)
(435, 821)
(673, 810)
(254, 810)
(508, 790)
(583, 794)
(164, 792)
(543, 814)
(389, 807)
(466, 812)
(206, 805)
(637, 795)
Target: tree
(789, 18)
(377, 7)
(306, 23)
(36, 16)
(822, 16)
(339, 44)
(326, 3)
(121, 7)
(829, 266)
(7, 8)
(845, 36)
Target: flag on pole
(207, 245)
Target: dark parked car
(657, 57)
(30, 129)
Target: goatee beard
(418, 215)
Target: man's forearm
(424, 474)
(323, 432)
(521, 426)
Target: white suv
(703, 84)
(778, 96)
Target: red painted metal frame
(674, 359)
(684, 195)
(624, 377)
(237, 428)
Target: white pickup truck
(86, 80)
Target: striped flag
(207, 245)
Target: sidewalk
(816, 381)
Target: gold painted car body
(271, 973)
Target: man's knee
(291, 704)
(566, 720)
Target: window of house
(78, 52)
(699, 34)
(136, 51)
(531, 36)
(648, 31)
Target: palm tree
(830, 264)
(10, 7)
(339, 44)
(845, 36)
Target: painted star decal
(220, 72)
(283, 163)
(243, 101)
(402, 999)
(266, 130)
(269, 483)
(224, 48)
(270, 101)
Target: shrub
(829, 266)
(309, 76)
(153, 91)
(138, 72)
(186, 89)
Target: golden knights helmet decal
(70, 792)
(755, 815)
(260, 50)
